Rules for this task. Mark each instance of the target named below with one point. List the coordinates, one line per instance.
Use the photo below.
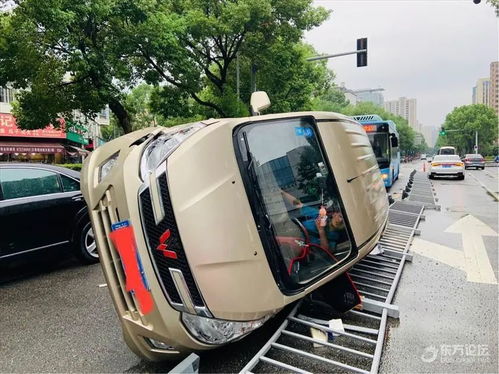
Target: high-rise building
(430, 134)
(481, 92)
(494, 86)
(405, 108)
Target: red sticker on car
(124, 241)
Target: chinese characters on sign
(30, 149)
(8, 127)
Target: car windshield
(381, 149)
(294, 187)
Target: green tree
(70, 55)
(198, 56)
(462, 123)
(63, 55)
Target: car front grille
(107, 214)
(153, 232)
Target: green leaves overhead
(87, 54)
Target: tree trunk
(121, 115)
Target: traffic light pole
(476, 137)
(324, 57)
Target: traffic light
(442, 131)
(361, 56)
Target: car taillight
(435, 164)
(458, 164)
(466, 160)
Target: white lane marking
(492, 193)
(473, 259)
(440, 253)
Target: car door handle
(77, 198)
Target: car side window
(69, 184)
(20, 182)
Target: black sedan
(41, 206)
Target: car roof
(32, 165)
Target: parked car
(474, 161)
(217, 222)
(41, 206)
(446, 165)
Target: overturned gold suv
(208, 229)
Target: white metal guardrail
(359, 348)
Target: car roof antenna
(259, 101)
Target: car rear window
(17, 183)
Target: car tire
(460, 177)
(85, 245)
(431, 176)
(483, 167)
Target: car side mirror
(259, 101)
(395, 141)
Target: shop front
(48, 145)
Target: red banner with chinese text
(8, 127)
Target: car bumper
(475, 165)
(455, 170)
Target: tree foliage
(463, 122)
(83, 55)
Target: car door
(32, 210)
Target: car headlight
(107, 165)
(219, 331)
(161, 147)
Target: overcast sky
(432, 50)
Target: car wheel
(86, 247)
(460, 176)
(483, 167)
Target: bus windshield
(293, 186)
(381, 148)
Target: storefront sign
(8, 127)
(76, 133)
(31, 148)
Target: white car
(446, 165)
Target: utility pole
(253, 77)
(237, 76)
(476, 142)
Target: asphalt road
(447, 322)
(57, 316)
